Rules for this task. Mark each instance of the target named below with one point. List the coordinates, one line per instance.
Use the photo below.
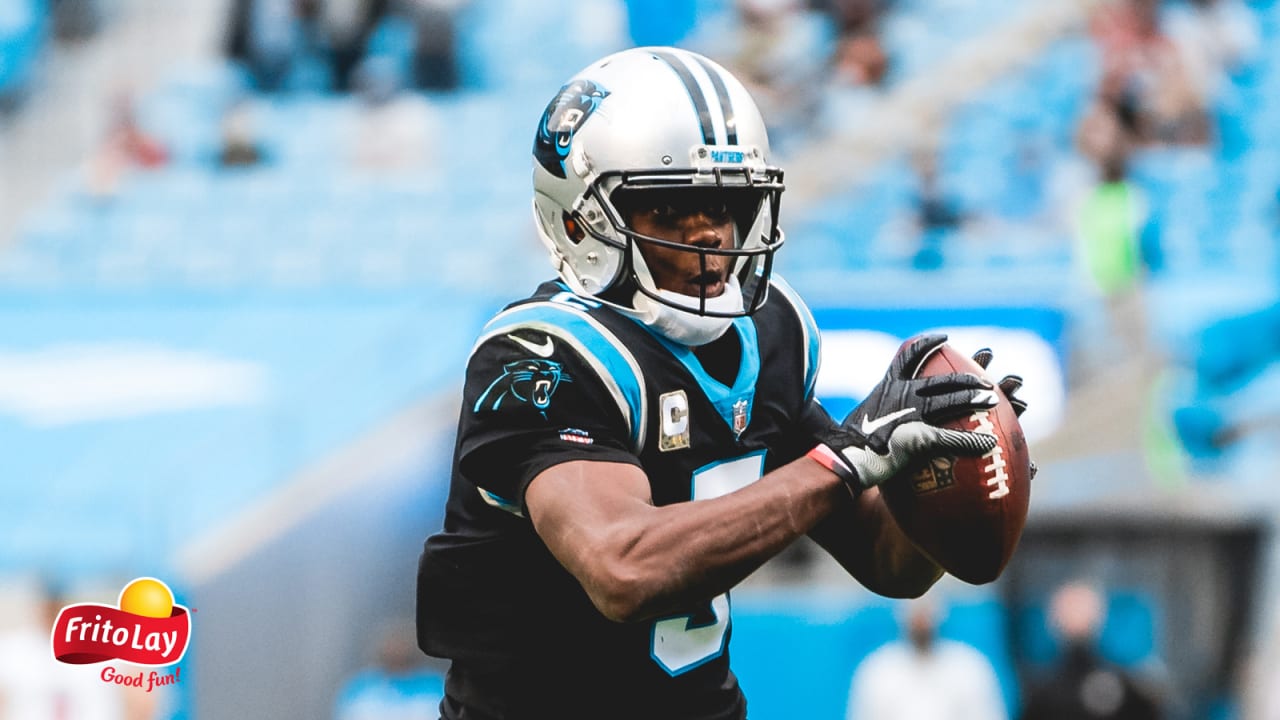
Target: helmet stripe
(698, 97)
(722, 94)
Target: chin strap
(687, 327)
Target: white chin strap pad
(687, 327)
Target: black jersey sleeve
(803, 342)
(531, 401)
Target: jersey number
(680, 644)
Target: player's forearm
(689, 552)
(863, 537)
(900, 570)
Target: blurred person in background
(266, 36)
(859, 62)
(395, 128)
(925, 677)
(397, 686)
(126, 146)
(1083, 685)
(855, 18)
(855, 82)
(938, 213)
(435, 51)
(240, 146)
(419, 38)
(779, 50)
(312, 45)
(1141, 62)
(1115, 240)
(642, 433)
(1215, 38)
(346, 26)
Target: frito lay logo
(147, 628)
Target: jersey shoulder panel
(808, 327)
(544, 325)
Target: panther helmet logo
(531, 381)
(563, 117)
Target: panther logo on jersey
(564, 115)
(530, 381)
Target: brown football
(966, 513)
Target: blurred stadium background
(245, 246)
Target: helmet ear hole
(572, 229)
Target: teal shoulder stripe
(812, 336)
(612, 362)
(500, 502)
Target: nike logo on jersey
(869, 426)
(541, 350)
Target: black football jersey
(557, 378)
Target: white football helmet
(655, 119)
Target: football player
(641, 434)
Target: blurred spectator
(239, 137)
(1082, 685)
(1216, 38)
(34, 686)
(856, 18)
(346, 26)
(778, 48)
(1142, 65)
(302, 44)
(419, 38)
(938, 214)
(126, 146)
(399, 686)
(925, 677)
(1110, 127)
(861, 60)
(435, 52)
(265, 36)
(395, 128)
(1115, 237)
(1113, 217)
(856, 82)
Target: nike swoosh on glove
(897, 422)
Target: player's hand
(1009, 384)
(895, 423)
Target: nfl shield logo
(739, 417)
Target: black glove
(1009, 384)
(893, 424)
